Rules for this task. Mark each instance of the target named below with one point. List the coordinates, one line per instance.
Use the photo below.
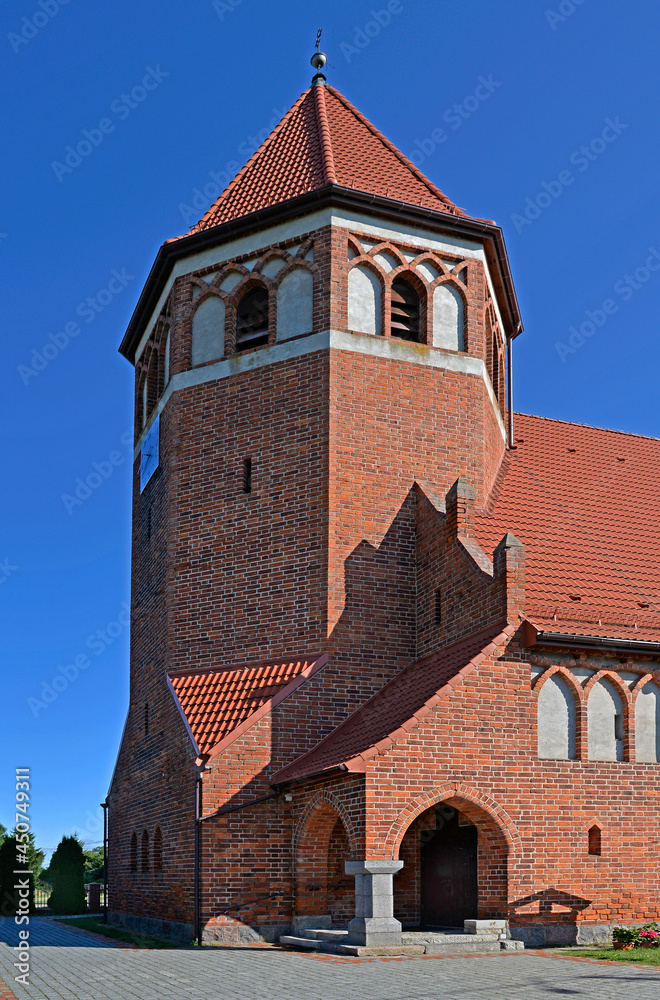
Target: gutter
(592, 642)
(329, 195)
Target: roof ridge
(233, 182)
(325, 138)
(393, 149)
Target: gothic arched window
(605, 722)
(405, 311)
(144, 859)
(556, 720)
(252, 319)
(158, 850)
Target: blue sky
(555, 137)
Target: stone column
(374, 925)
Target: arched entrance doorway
(455, 864)
(448, 856)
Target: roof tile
(590, 525)
(323, 140)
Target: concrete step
(291, 941)
(440, 937)
(324, 934)
(337, 935)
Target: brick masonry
(342, 547)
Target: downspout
(104, 807)
(198, 823)
(509, 386)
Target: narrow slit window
(252, 320)
(618, 727)
(594, 839)
(438, 606)
(247, 475)
(405, 311)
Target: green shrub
(67, 875)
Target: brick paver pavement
(67, 965)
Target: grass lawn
(96, 925)
(648, 956)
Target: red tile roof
(219, 705)
(586, 504)
(323, 140)
(397, 707)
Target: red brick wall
(319, 557)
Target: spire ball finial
(318, 60)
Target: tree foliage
(18, 853)
(66, 873)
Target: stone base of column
(374, 925)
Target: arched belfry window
(405, 311)
(252, 319)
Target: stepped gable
(585, 503)
(323, 140)
(397, 707)
(218, 705)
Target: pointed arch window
(556, 720)
(144, 858)
(252, 319)
(405, 311)
(158, 850)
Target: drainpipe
(509, 373)
(198, 825)
(104, 807)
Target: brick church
(394, 649)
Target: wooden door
(449, 875)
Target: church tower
(324, 348)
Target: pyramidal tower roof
(323, 139)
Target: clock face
(149, 453)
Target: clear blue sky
(218, 76)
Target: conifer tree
(67, 874)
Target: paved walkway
(66, 965)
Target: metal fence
(41, 896)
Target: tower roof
(323, 139)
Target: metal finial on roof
(318, 60)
